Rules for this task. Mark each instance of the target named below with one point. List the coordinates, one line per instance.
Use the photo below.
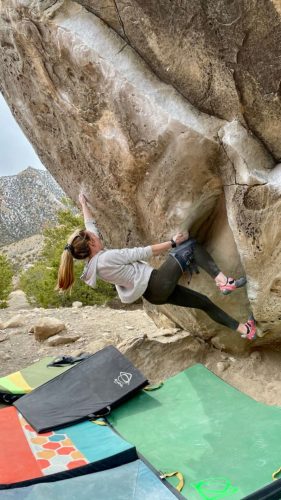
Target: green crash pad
(27, 379)
(224, 443)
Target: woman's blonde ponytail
(77, 247)
(66, 272)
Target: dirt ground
(258, 374)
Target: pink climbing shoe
(232, 285)
(251, 329)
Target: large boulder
(223, 56)
(167, 355)
(116, 107)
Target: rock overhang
(149, 161)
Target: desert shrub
(6, 276)
(38, 282)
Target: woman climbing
(134, 278)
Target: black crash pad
(90, 388)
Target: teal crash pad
(225, 444)
(133, 481)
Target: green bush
(39, 281)
(6, 276)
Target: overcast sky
(16, 153)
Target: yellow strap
(275, 474)
(179, 475)
(154, 387)
(99, 422)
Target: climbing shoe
(251, 329)
(232, 285)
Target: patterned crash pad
(133, 481)
(226, 444)
(26, 456)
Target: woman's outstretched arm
(87, 213)
(158, 248)
(89, 220)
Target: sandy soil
(258, 374)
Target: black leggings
(162, 288)
(203, 259)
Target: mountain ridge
(29, 201)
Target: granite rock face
(223, 56)
(168, 116)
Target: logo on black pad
(123, 378)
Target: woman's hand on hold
(180, 237)
(82, 199)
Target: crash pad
(25, 380)
(226, 444)
(26, 456)
(91, 387)
(133, 481)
